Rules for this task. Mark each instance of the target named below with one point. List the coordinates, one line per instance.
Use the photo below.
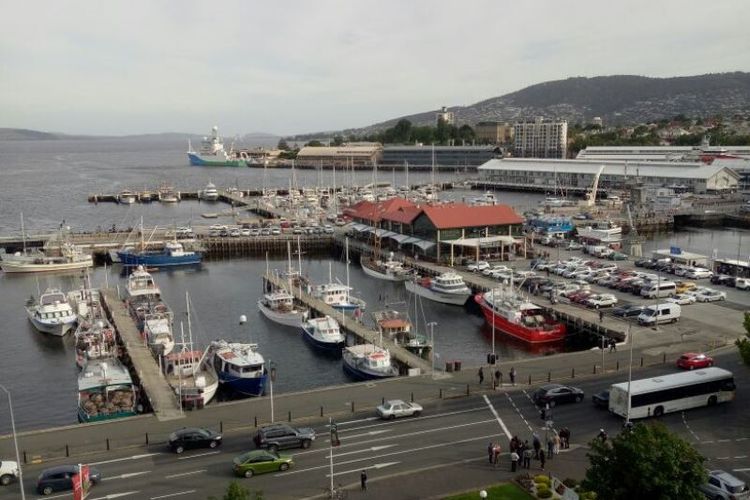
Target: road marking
(402, 421)
(733, 470)
(376, 466)
(126, 475)
(740, 439)
(185, 474)
(347, 422)
(371, 433)
(499, 420)
(411, 450)
(134, 457)
(66, 495)
(690, 430)
(116, 495)
(741, 456)
(174, 494)
(373, 448)
(518, 410)
(200, 455)
(723, 440)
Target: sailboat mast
(347, 269)
(289, 263)
(23, 234)
(190, 330)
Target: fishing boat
(105, 391)
(167, 194)
(488, 198)
(209, 193)
(141, 284)
(509, 312)
(602, 232)
(368, 362)
(389, 269)
(324, 333)
(94, 340)
(240, 367)
(212, 153)
(173, 254)
(68, 257)
(279, 307)
(447, 288)
(126, 197)
(151, 314)
(157, 330)
(336, 294)
(52, 314)
(397, 327)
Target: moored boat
(191, 376)
(94, 340)
(105, 391)
(389, 269)
(68, 257)
(324, 333)
(337, 296)
(240, 367)
(52, 314)
(209, 193)
(212, 153)
(368, 362)
(447, 288)
(510, 313)
(602, 232)
(126, 197)
(173, 254)
(279, 307)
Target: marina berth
(52, 314)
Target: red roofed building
(440, 230)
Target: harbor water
(49, 182)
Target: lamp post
(272, 370)
(432, 325)
(630, 373)
(15, 440)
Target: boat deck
(160, 395)
(398, 353)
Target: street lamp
(15, 440)
(432, 325)
(630, 373)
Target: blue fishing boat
(240, 367)
(173, 254)
(551, 224)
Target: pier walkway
(402, 355)
(158, 392)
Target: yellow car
(685, 286)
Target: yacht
(240, 367)
(388, 270)
(368, 362)
(209, 193)
(324, 333)
(126, 197)
(105, 391)
(447, 288)
(53, 313)
(279, 307)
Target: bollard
(147, 439)
(352, 406)
(412, 397)
(529, 379)
(549, 376)
(467, 389)
(572, 373)
(321, 411)
(24, 457)
(594, 372)
(107, 444)
(290, 415)
(256, 421)
(67, 451)
(382, 401)
(641, 361)
(221, 426)
(664, 357)
(441, 393)
(617, 368)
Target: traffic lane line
(497, 417)
(405, 420)
(190, 473)
(170, 495)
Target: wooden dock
(401, 355)
(160, 395)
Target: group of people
(498, 376)
(523, 453)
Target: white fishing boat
(338, 295)
(602, 232)
(279, 307)
(141, 284)
(66, 258)
(447, 288)
(94, 340)
(126, 197)
(240, 367)
(388, 270)
(105, 391)
(157, 330)
(368, 362)
(209, 193)
(324, 333)
(167, 194)
(52, 314)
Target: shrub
(570, 482)
(544, 494)
(587, 495)
(542, 487)
(541, 478)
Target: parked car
(617, 256)
(479, 266)
(580, 297)
(711, 296)
(603, 300)
(682, 299)
(396, 408)
(698, 273)
(742, 283)
(8, 472)
(601, 399)
(574, 245)
(692, 360)
(189, 438)
(259, 462)
(642, 262)
(495, 269)
(721, 279)
(554, 394)
(234, 233)
(277, 436)
(60, 478)
(724, 486)
(660, 313)
(628, 310)
(245, 232)
(685, 286)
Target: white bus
(676, 392)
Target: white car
(478, 266)
(245, 232)
(603, 300)
(235, 233)
(8, 472)
(397, 408)
(574, 245)
(682, 299)
(495, 269)
(697, 273)
(711, 296)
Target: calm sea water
(49, 182)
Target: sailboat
(336, 294)
(279, 306)
(189, 372)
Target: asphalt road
(449, 441)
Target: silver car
(723, 486)
(397, 408)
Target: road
(443, 450)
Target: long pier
(355, 328)
(158, 392)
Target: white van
(660, 313)
(659, 289)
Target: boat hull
(214, 161)
(456, 299)
(359, 374)
(158, 260)
(328, 347)
(56, 329)
(25, 267)
(246, 386)
(85, 418)
(555, 333)
(293, 319)
(374, 273)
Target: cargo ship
(212, 153)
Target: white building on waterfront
(578, 175)
(540, 139)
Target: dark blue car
(60, 478)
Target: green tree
(235, 491)
(744, 344)
(466, 133)
(647, 462)
(282, 145)
(402, 131)
(337, 140)
(314, 143)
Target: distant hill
(619, 99)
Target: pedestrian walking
(496, 453)
(602, 435)
(550, 447)
(601, 315)
(556, 444)
(537, 446)
(567, 438)
(490, 450)
(513, 375)
(542, 459)
(481, 375)
(527, 454)
(498, 378)
(612, 345)
(363, 480)
(514, 444)
(513, 461)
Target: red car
(692, 360)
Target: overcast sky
(301, 66)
